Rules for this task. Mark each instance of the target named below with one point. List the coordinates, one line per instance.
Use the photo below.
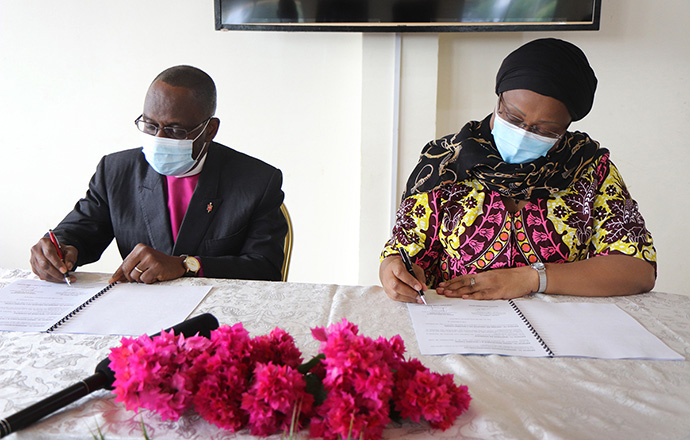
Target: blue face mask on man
(517, 145)
(171, 157)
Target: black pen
(408, 266)
(56, 243)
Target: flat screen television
(407, 15)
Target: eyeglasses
(516, 121)
(171, 132)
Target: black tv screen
(407, 15)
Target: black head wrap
(554, 68)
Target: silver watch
(541, 270)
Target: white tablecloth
(513, 397)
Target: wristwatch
(541, 270)
(191, 265)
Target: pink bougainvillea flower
(358, 382)
(421, 393)
(224, 376)
(234, 382)
(154, 373)
(276, 398)
(277, 347)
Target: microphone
(103, 378)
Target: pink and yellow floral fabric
(462, 227)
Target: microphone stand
(103, 378)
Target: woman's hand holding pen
(46, 263)
(398, 283)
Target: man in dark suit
(181, 205)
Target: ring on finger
(138, 270)
(472, 282)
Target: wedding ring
(472, 282)
(138, 270)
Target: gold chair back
(287, 249)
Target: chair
(287, 248)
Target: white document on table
(86, 307)
(532, 329)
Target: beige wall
(319, 106)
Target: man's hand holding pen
(47, 264)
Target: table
(513, 397)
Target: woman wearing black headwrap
(520, 193)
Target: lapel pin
(209, 207)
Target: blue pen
(408, 266)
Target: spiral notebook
(532, 328)
(87, 306)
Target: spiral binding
(531, 329)
(81, 307)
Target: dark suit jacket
(233, 223)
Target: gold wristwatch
(191, 265)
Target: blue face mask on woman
(517, 145)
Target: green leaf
(307, 366)
(315, 388)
